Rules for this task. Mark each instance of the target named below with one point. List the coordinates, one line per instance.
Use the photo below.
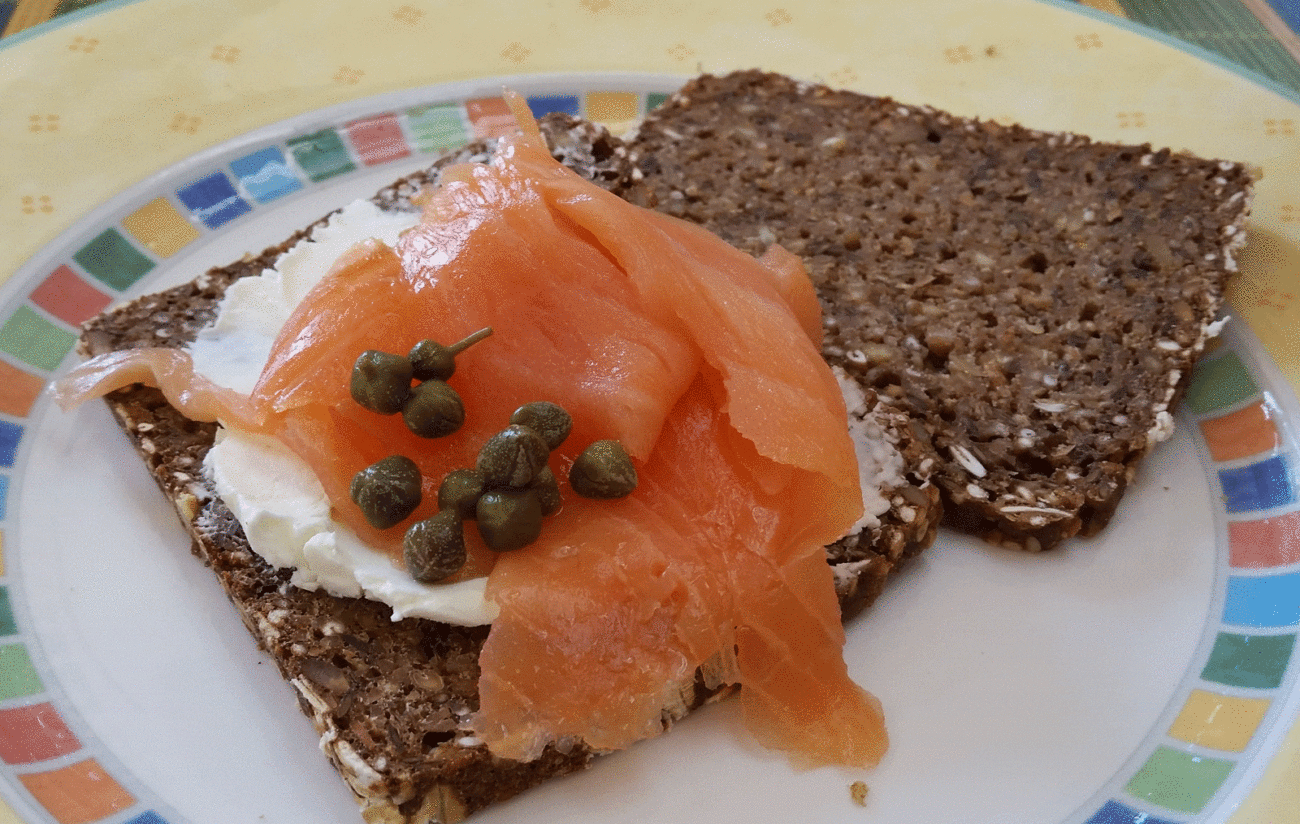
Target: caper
(509, 518)
(381, 381)
(460, 491)
(434, 410)
(546, 419)
(387, 491)
(433, 361)
(603, 470)
(435, 547)
(512, 457)
(547, 489)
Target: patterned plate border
(1235, 702)
(1196, 762)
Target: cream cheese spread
(279, 501)
(286, 516)
(880, 463)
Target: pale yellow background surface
(95, 104)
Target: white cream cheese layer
(286, 517)
(880, 464)
(272, 492)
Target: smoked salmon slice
(700, 360)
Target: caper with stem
(432, 360)
(509, 518)
(603, 470)
(387, 491)
(435, 547)
(381, 381)
(547, 419)
(434, 410)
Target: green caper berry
(547, 489)
(434, 410)
(434, 548)
(381, 381)
(603, 470)
(433, 361)
(546, 419)
(509, 518)
(387, 491)
(512, 457)
(460, 491)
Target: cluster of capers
(509, 490)
(507, 493)
(382, 382)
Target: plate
(1147, 675)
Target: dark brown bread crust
(1035, 301)
(391, 700)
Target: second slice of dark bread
(1036, 301)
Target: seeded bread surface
(391, 699)
(1035, 301)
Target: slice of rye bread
(1035, 300)
(390, 699)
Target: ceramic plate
(1146, 675)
